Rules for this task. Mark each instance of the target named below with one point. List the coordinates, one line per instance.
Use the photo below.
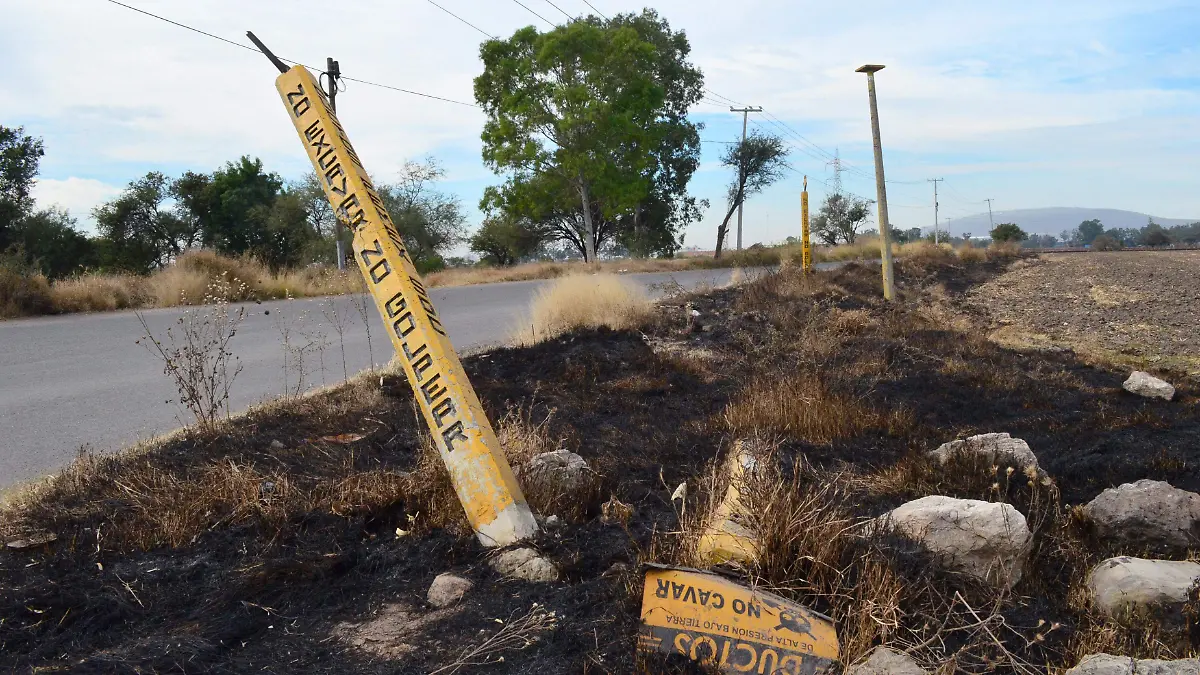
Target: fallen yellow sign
(719, 623)
(464, 436)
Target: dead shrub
(581, 302)
(101, 293)
(969, 254)
(803, 407)
(1004, 249)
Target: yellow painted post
(806, 245)
(482, 478)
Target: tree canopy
(588, 124)
(840, 218)
(1008, 232)
(758, 161)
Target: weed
(196, 356)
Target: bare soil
(221, 553)
(1143, 306)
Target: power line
(249, 48)
(594, 9)
(462, 20)
(548, 2)
(535, 13)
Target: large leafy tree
(1089, 230)
(235, 205)
(1011, 232)
(588, 122)
(50, 242)
(840, 218)
(20, 156)
(140, 230)
(758, 161)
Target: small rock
(1148, 514)
(277, 444)
(560, 472)
(1159, 587)
(33, 541)
(447, 589)
(986, 540)
(616, 570)
(526, 564)
(393, 385)
(553, 522)
(884, 661)
(1107, 664)
(999, 448)
(1145, 384)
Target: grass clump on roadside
(190, 280)
(580, 302)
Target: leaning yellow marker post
(464, 436)
(805, 244)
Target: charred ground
(226, 553)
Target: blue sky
(1033, 104)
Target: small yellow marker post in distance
(805, 244)
(461, 430)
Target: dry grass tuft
(969, 254)
(21, 292)
(802, 407)
(582, 302)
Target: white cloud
(1036, 102)
(77, 195)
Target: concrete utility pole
(745, 118)
(990, 221)
(935, 181)
(334, 71)
(885, 228)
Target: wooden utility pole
(741, 169)
(935, 181)
(885, 227)
(334, 72)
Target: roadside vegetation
(330, 514)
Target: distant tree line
(1093, 233)
(239, 210)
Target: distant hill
(1057, 219)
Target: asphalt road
(81, 381)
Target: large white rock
(1107, 664)
(526, 564)
(1145, 384)
(884, 661)
(447, 589)
(997, 448)
(1148, 514)
(1119, 586)
(986, 540)
(559, 472)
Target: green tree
(1154, 235)
(1089, 230)
(50, 241)
(20, 157)
(588, 121)
(139, 231)
(234, 206)
(1106, 242)
(840, 218)
(504, 241)
(430, 221)
(758, 161)
(1008, 232)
